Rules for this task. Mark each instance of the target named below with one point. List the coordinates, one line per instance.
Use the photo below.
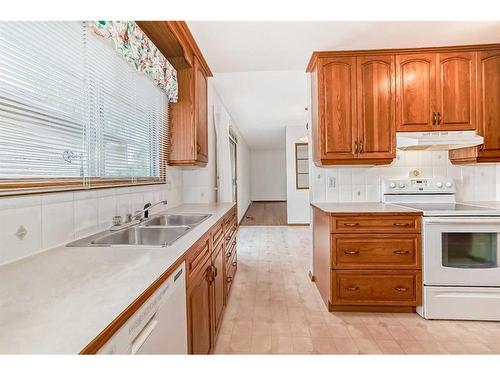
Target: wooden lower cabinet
(208, 270)
(361, 268)
(199, 304)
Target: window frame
(37, 185)
(297, 145)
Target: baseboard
(354, 308)
(270, 201)
(311, 276)
(245, 214)
(298, 225)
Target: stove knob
(392, 185)
(439, 184)
(448, 185)
(401, 185)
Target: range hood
(437, 141)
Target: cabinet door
(201, 116)
(376, 107)
(199, 310)
(337, 93)
(489, 102)
(218, 263)
(457, 91)
(415, 92)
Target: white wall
(268, 175)
(362, 184)
(200, 182)
(298, 211)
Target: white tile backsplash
(57, 218)
(362, 184)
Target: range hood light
(437, 141)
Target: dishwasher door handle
(141, 338)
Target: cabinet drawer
(231, 268)
(380, 288)
(372, 251)
(218, 233)
(197, 257)
(375, 224)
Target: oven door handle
(468, 220)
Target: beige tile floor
(275, 308)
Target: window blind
(74, 113)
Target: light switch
(332, 182)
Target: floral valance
(140, 52)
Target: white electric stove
(461, 249)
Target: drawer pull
(351, 224)
(401, 252)
(229, 279)
(234, 264)
(351, 252)
(352, 288)
(234, 242)
(401, 289)
(401, 224)
(229, 254)
(228, 238)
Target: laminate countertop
(362, 207)
(59, 300)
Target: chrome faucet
(136, 218)
(146, 209)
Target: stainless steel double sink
(159, 230)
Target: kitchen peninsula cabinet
(367, 261)
(359, 99)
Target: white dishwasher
(159, 326)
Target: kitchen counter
(361, 207)
(59, 300)
(488, 204)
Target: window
(302, 166)
(73, 113)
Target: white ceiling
(259, 66)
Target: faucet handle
(117, 220)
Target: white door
(462, 251)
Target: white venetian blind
(74, 113)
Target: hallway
(266, 213)
(275, 308)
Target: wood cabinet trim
(316, 55)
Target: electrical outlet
(332, 182)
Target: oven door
(462, 251)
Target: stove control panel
(443, 185)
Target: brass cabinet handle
(351, 224)
(214, 270)
(351, 252)
(401, 224)
(355, 147)
(229, 254)
(352, 288)
(234, 242)
(210, 274)
(434, 118)
(439, 118)
(228, 238)
(401, 252)
(401, 289)
(360, 146)
(229, 279)
(198, 148)
(234, 264)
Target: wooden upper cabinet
(376, 107)
(456, 105)
(337, 95)
(416, 91)
(201, 117)
(488, 105)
